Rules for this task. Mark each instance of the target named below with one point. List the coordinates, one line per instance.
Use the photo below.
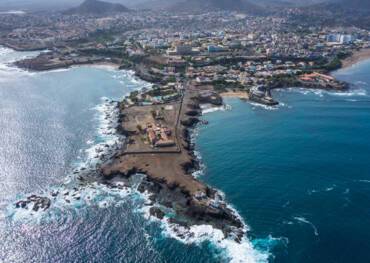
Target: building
(333, 38)
(159, 136)
(214, 48)
(180, 50)
(346, 39)
(339, 38)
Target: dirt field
(138, 117)
(159, 163)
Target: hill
(286, 3)
(97, 7)
(343, 5)
(157, 4)
(355, 4)
(215, 5)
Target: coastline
(21, 49)
(180, 194)
(168, 180)
(168, 172)
(356, 57)
(247, 214)
(30, 65)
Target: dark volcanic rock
(210, 97)
(191, 166)
(194, 106)
(193, 113)
(157, 212)
(191, 122)
(38, 203)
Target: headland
(191, 59)
(157, 124)
(158, 144)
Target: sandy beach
(104, 65)
(235, 94)
(356, 57)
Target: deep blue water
(298, 175)
(47, 122)
(301, 172)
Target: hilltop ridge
(214, 5)
(97, 7)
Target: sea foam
(305, 221)
(70, 202)
(227, 248)
(72, 199)
(208, 108)
(354, 91)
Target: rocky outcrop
(157, 212)
(193, 113)
(190, 122)
(37, 203)
(209, 97)
(189, 210)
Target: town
(226, 50)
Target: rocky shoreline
(168, 179)
(193, 202)
(19, 47)
(42, 63)
(172, 186)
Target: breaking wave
(74, 193)
(352, 92)
(208, 108)
(327, 189)
(226, 249)
(9, 56)
(363, 181)
(305, 221)
(256, 105)
(69, 202)
(107, 140)
(74, 196)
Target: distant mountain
(156, 4)
(344, 6)
(214, 5)
(97, 7)
(355, 4)
(346, 13)
(286, 3)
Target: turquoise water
(298, 175)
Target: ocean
(297, 174)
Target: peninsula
(190, 60)
(158, 144)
